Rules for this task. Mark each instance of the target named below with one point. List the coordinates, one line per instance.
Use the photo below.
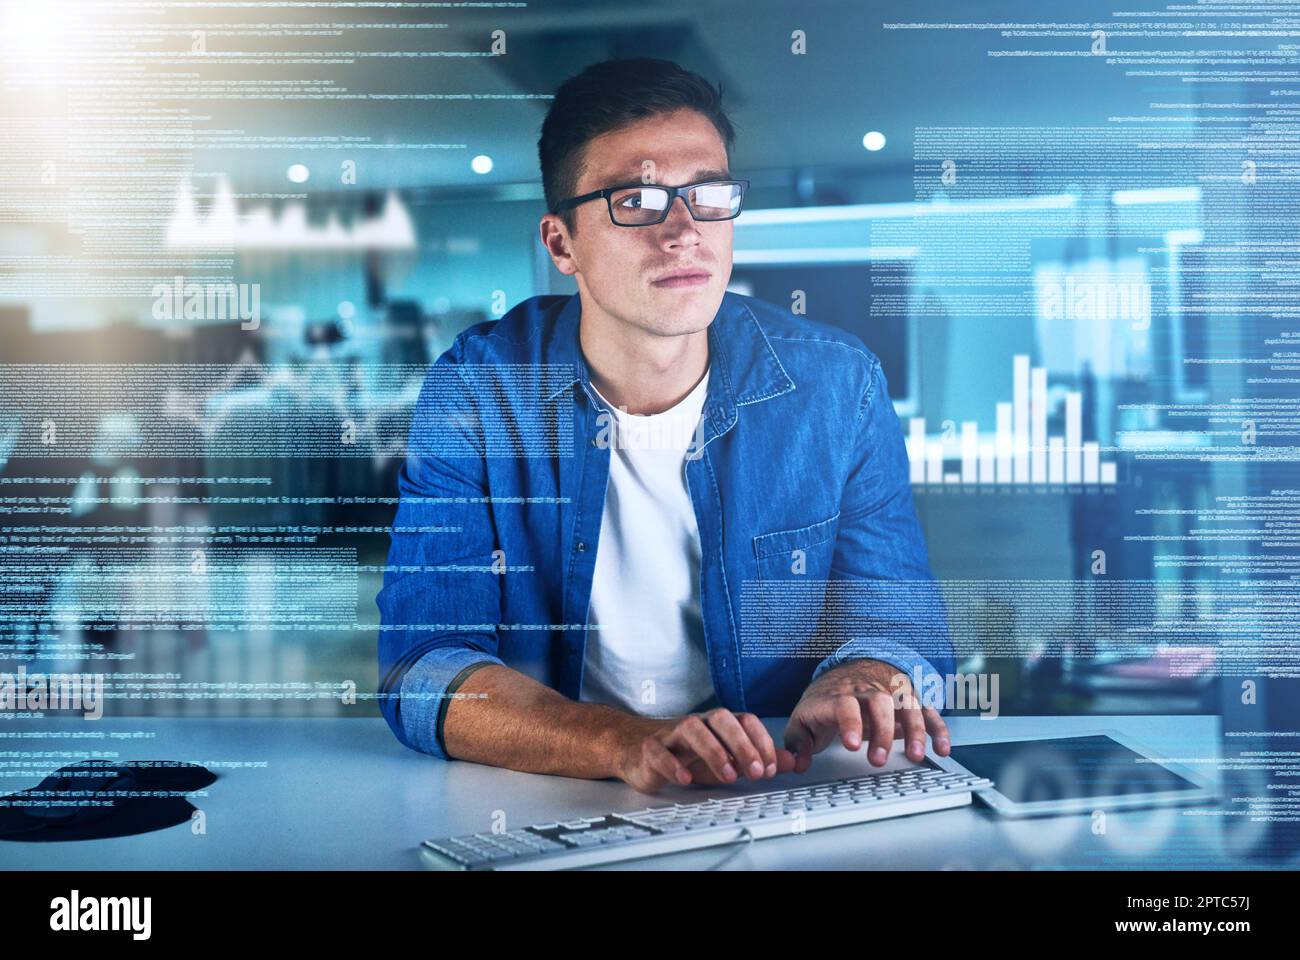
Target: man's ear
(555, 238)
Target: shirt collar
(743, 367)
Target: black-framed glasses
(645, 204)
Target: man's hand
(704, 748)
(862, 696)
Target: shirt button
(595, 441)
(582, 545)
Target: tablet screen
(1038, 771)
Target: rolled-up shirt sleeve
(440, 605)
(882, 590)
(428, 688)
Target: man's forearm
(524, 725)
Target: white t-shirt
(645, 651)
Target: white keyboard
(585, 841)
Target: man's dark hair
(610, 95)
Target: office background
(1047, 230)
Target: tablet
(1079, 773)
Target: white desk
(344, 794)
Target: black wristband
(452, 687)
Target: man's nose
(678, 222)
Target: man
(561, 602)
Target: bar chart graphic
(1021, 452)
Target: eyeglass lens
(708, 201)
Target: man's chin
(685, 314)
(678, 324)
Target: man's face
(620, 270)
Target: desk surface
(344, 794)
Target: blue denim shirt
(811, 551)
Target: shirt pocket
(800, 552)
